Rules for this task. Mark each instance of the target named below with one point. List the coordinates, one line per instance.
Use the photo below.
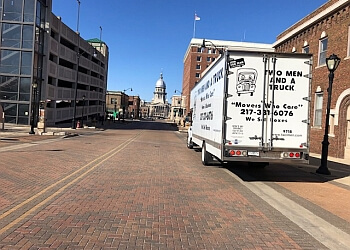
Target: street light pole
(77, 71)
(33, 113)
(123, 96)
(115, 110)
(221, 52)
(332, 64)
(82, 115)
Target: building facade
(134, 107)
(49, 74)
(178, 103)
(324, 32)
(159, 107)
(198, 58)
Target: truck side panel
(207, 104)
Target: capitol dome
(160, 83)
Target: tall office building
(48, 73)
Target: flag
(196, 18)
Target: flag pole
(196, 18)
(194, 27)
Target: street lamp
(206, 41)
(125, 101)
(33, 113)
(332, 64)
(82, 115)
(77, 71)
(115, 110)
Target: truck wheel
(189, 143)
(206, 156)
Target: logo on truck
(246, 81)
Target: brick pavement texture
(137, 189)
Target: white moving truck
(253, 107)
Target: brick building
(197, 59)
(324, 32)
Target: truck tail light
(291, 155)
(233, 152)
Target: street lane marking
(324, 232)
(101, 159)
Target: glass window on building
(26, 63)
(198, 66)
(9, 61)
(11, 35)
(11, 112)
(318, 109)
(24, 89)
(306, 49)
(199, 58)
(208, 59)
(28, 12)
(9, 87)
(23, 114)
(323, 51)
(12, 10)
(27, 37)
(197, 75)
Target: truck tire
(189, 143)
(207, 158)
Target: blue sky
(147, 37)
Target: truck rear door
(268, 100)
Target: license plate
(251, 153)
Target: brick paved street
(139, 187)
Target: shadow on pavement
(276, 172)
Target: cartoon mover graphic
(246, 81)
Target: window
(11, 35)
(113, 101)
(306, 49)
(209, 51)
(199, 58)
(198, 66)
(323, 51)
(28, 12)
(318, 109)
(199, 50)
(26, 63)
(208, 59)
(9, 87)
(197, 75)
(27, 41)
(9, 61)
(12, 10)
(24, 89)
